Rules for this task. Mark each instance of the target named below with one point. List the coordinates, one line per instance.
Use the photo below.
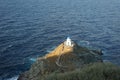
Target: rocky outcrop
(62, 59)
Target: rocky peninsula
(66, 58)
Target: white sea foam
(33, 59)
(86, 43)
(51, 49)
(13, 78)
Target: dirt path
(58, 59)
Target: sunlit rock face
(68, 56)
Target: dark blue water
(30, 28)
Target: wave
(33, 59)
(84, 43)
(51, 49)
(13, 78)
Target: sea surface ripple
(31, 28)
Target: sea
(32, 28)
